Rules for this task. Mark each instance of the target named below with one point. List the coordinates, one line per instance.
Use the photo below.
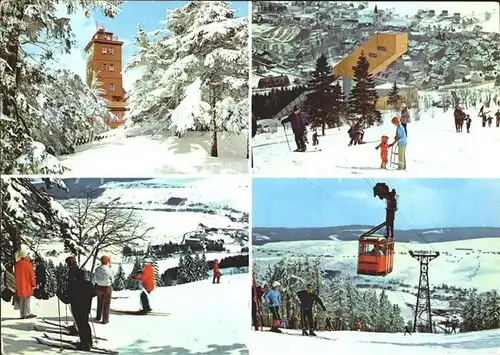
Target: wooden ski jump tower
(381, 50)
(423, 305)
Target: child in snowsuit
(216, 272)
(384, 151)
(80, 297)
(468, 122)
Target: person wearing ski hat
(400, 139)
(405, 117)
(103, 281)
(298, 128)
(146, 280)
(80, 298)
(307, 299)
(25, 283)
(384, 151)
(272, 298)
(64, 289)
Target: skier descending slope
(80, 295)
(272, 298)
(307, 298)
(147, 284)
(298, 129)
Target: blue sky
(423, 203)
(149, 14)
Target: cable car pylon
(423, 305)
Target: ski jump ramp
(381, 50)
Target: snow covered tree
(190, 266)
(61, 273)
(492, 310)
(182, 276)
(120, 282)
(394, 98)
(497, 81)
(364, 96)
(201, 62)
(27, 25)
(324, 102)
(131, 282)
(156, 268)
(51, 285)
(25, 210)
(204, 269)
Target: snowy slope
(204, 318)
(119, 156)
(475, 343)
(434, 149)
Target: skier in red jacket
(146, 279)
(216, 272)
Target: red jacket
(25, 278)
(216, 269)
(147, 278)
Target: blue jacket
(272, 298)
(401, 135)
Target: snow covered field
(121, 156)
(434, 149)
(474, 343)
(204, 319)
(456, 266)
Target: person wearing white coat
(103, 281)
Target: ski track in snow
(144, 156)
(204, 319)
(434, 149)
(352, 342)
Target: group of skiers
(270, 297)
(77, 292)
(461, 117)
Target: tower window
(104, 67)
(105, 51)
(111, 50)
(372, 55)
(383, 49)
(111, 87)
(111, 67)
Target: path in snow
(351, 342)
(204, 319)
(434, 149)
(145, 156)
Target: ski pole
(60, 327)
(95, 334)
(66, 320)
(284, 129)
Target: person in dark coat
(497, 115)
(80, 296)
(256, 297)
(356, 132)
(459, 116)
(468, 122)
(298, 129)
(62, 291)
(407, 330)
(41, 279)
(254, 126)
(328, 324)
(307, 298)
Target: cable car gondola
(376, 252)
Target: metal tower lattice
(423, 305)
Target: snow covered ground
(204, 319)
(465, 264)
(121, 156)
(434, 149)
(347, 342)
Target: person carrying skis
(25, 283)
(256, 297)
(468, 122)
(80, 296)
(405, 117)
(272, 297)
(103, 281)
(146, 281)
(216, 272)
(307, 298)
(298, 129)
(407, 330)
(402, 142)
(384, 151)
(41, 279)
